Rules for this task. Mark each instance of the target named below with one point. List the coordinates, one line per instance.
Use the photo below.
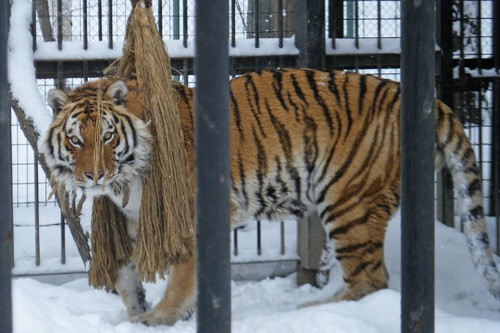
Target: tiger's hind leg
(179, 300)
(358, 240)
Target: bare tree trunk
(268, 16)
(68, 209)
(42, 11)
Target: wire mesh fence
(260, 29)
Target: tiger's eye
(74, 140)
(107, 136)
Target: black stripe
(362, 93)
(346, 227)
(297, 89)
(477, 212)
(474, 187)
(242, 181)
(319, 99)
(347, 163)
(236, 113)
(250, 85)
(347, 109)
(352, 248)
(261, 171)
(286, 145)
(278, 88)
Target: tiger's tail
(455, 150)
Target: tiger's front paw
(157, 317)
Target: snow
(21, 68)
(463, 303)
(271, 305)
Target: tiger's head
(77, 156)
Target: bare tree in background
(43, 14)
(268, 15)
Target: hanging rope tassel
(111, 245)
(166, 225)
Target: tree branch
(69, 210)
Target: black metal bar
(184, 23)
(445, 197)
(6, 179)
(212, 166)
(282, 238)
(256, 15)
(479, 36)
(310, 33)
(160, 18)
(37, 213)
(59, 25)
(356, 24)
(417, 162)
(99, 19)
(233, 23)
(110, 24)
(85, 25)
(336, 21)
(280, 23)
(235, 242)
(379, 25)
(495, 167)
(63, 240)
(259, 238)
(33, 25)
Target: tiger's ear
(117, 92)
(56, 99)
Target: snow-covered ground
(463, 304)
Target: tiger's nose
(92, 177)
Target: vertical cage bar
(310, 33)
(445, 198)
(379, 24)
(110, 24)
(59, 25)
(259, 238)
(417, 162)
(85, 25)
(99, 19)
(212, 166)
(235, 242)
(495, 132)
(33, 25)
(356, 24)
(63, 239)
(175, 19)
(160, 18)
(280, 23)
(282, 238)
(184, 23)
(37, 214)
(336, 21)
(233, 23)
(257, 22)
(6, 235)
(479, 37)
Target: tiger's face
(78, 156)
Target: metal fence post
(444, 195)
(212, 166)
(6, 179)
(495, 197)
(417, 162)
(310, 40)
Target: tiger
(301, 141)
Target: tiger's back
(309, 140)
